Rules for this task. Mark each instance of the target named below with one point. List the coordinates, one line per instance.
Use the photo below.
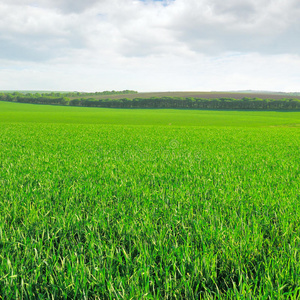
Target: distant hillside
(266, 92)
(205, 95)
(179, 100)
(131, 94)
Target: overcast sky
(169, 45)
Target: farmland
(148, 204)
(206, 95)
(28, 113)
(168, 100)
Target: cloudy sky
(168, 45)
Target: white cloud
(149, 45)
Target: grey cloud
(210, 27)
(243, 11)
(64, 6)
(213, 27)
(72, 6)
(21, 47)
(36, 34)
(129, 28)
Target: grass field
(148, 204)
(30, 113)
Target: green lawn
(96, 205)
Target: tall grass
(149, 212)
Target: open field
(24, 113)
(148, 204)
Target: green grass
(107, 208)
(16, 112)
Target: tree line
(245, 103)
(104, 93)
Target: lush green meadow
(148, 204)
(30, 113)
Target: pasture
(148, 204)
